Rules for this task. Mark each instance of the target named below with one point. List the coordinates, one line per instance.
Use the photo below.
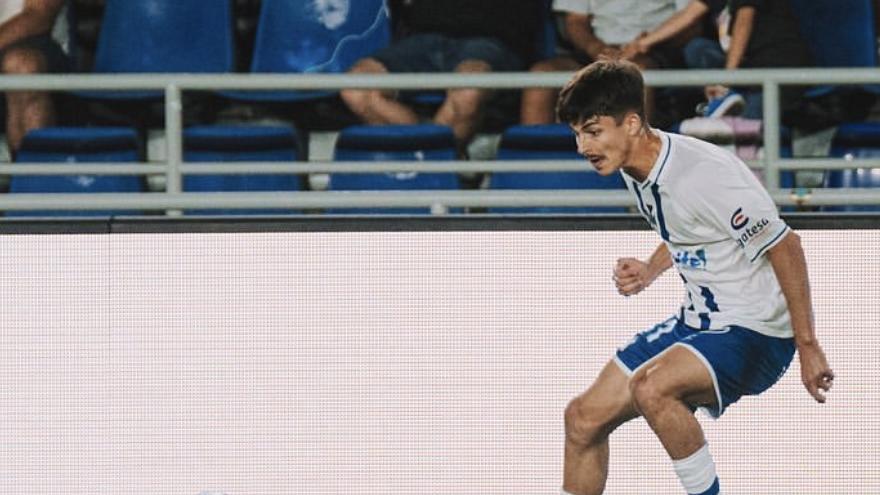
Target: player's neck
(645, 150)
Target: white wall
(373, 363)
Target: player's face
(605, 143)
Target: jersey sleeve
(737, 204)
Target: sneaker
(732, 103)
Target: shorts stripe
(623, 367)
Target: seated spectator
(762, 33)
(27, 46)
(594, 29)
(463, 36)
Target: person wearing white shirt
(597, 28)
(28, 45)
(747, 304)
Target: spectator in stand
(596, 28)
(751, 34)
(27, 46)
(464, 36)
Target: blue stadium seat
(856, 140)
(388, 143)
(237, 144)
(548, 142)
(148, 36)
(314, 37)
(71, 145)
(840, 33)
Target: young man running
(748, 298)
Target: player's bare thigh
(677, 373)
(607, 404)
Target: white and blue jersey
(718, 222)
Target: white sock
(697, 472)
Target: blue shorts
(430, 52)
(741, 361)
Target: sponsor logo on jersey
(739, 219)
(688, 260)
(751, 232)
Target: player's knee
(645, 391)
(19, 61)
(584, 425)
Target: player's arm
(631, 275)
(37, 17)
(787, 258)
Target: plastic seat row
(165, 36)
(359, 143)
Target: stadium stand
(321, 43)
(70, 145)
(550, 142)
(240, 144)
(390, 143)
(301, 38)
(157, 36)
(854, 141)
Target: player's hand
(631, 276)
(815, 372)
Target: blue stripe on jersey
(642, 204)
(665, 157)
(761, 251)
(661, 222)
(704, 321)
(690, 297)
(710, 299)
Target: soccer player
(747, 306)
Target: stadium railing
(173, 199)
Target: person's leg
(25, 110)
(538, 104)
(665, 391)
(589, 420)
(376, 106)
(703, 53)
(754, 105)
(461, 108)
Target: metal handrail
(174, 85)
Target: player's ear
(633, 123)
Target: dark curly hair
(604, 88)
